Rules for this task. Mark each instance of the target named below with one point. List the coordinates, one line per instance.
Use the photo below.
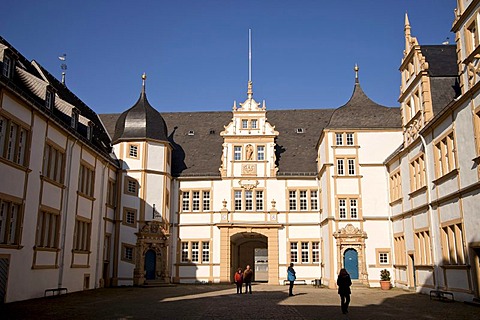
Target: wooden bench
(295, 282)
(317, 283)
(55, 291)
(441, 295)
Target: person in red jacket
(239, 280)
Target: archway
(150, 264)
(350, 262)
(250, 248)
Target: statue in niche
(249, 152)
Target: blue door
(350, 262)
(150, 258)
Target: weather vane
(63, 66)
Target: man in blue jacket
(291, 277)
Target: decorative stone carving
(350, 231)
(249, 169)
(473, 70)
(248, 184)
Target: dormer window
(7, 66)
(90, 131)
(212, 131)
(300, 130)
(244, 124)
(253, 123)
(49, 99)
(191, 133)
(74, 118)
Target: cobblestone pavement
(221, 302)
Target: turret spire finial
(250, 84)
(356, 68)
(144, 77)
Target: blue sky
(195, 53)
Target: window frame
(125, 248)
(14, 140)
(379, 252)
(304, 251)
(7, 237)
(345, 208)
(125, 217)
(135, 147)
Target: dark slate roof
(25, 78)
(443, 90)
(200, 154)
(141, 121)
(362, 113)
(442, 60)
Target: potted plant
(385, 279)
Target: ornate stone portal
(153, 236)
(352, 238)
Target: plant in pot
(385, 279)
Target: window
(81, 236)
(309, 252)
(445, 155)
(48, 230)
(129, 217)
(131, 186)
(400, 250)
(294, 252)
(49, 99)
(194, 251)
(313, 200)
(53, 163)
(205, 252)
(10, 221)
(248, 200)
(184, 251)
(349, 138)
(244, 124)
(471, 39)
(259, 200)
(339, 139)
(133, 150)
(351, 171)
(348, 208)
(195, 200)
(111, 193)
(422, 248)
(74, 118)
(315, 252)
(128, 252)
(7, 66)
(340, 167)
(237, 153)
(253, 123)
(86, 180)
(351, 167)
(303, 200)
(383, 257)
(452, 245)
(238, 200)
(13, 141)
(305, 252)
(395, 186)
(292, 200)
(90, 131)
(417, 171)
(260, 153)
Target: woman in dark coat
(344, 282)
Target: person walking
(247, 279)
(239, 280)
(291, 277)
(344, 282)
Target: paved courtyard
(221, 302)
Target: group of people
(242, 277)
(343, 282)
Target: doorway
(411, 272)
(150, 264)
(476, 273)
(4, 262)
(350, 262)
(250, 248)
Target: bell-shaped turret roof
(140, 122)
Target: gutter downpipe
(64, 216)
(390, 228)
(430, 210)
(99, 233)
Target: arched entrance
(250, 248)
(350, 262)
(150, 264)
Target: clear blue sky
(195, 52)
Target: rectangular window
(305, 252)
(128, 252)
(206, 200)
(349, 139)
(353, 209)
(196, 201)
(205, 252)
(238, 200)
(132, 186)
(471, 39)
(237, 153)
(7, 66)
(186, 201)
(244, 124)
(351, 167)
(129, 217)
(340, 167)
(445, 155)
(81, 236)
(253, 123)
(422, 248)
(292, 200)
(303, 200)
(400, 250)
(13, 141)
(294, 252)
(49, 99)
(9, 222)
(315, 252)
(260, 153)
(395, 186)
(453, 245)
(86, 180)
(111, 193)
(342, 208)
(383, 258)
(339, 139)
(53, 163)
(259, 200)
(48, 228)
(74, 118)
(133, 150)
(195, 251)
(417, 171)
(248, 200)
(313, 200)
(184, 251)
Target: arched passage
(250, 248)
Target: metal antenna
(63, 66)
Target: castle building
(147, 197)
